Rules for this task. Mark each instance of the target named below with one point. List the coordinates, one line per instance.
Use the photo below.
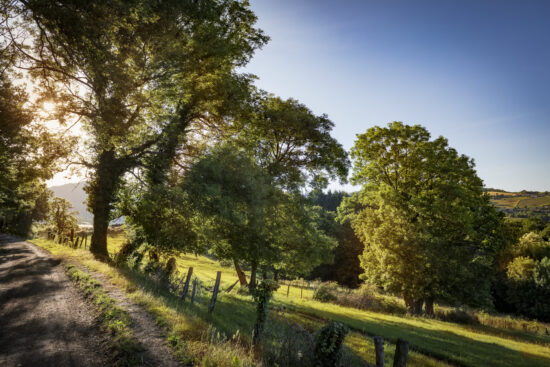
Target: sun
(48, 107)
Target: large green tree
(430, 232)
(248, 219)
(138, 74)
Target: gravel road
(44, 321)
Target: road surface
(44, 321)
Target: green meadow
(432, 342)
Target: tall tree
(248, 219)
(429, 231)
(138, 74)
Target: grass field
(433, 342)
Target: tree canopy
(291, 143)
(137, 74)
(29, 155)
(429, 230)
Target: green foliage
(328, 344)
(62, 218)
(138, 75)
(345, 267)
(28, 157)
(521, 268)
(429, 231)
(325, 292)
(541, 275)
(533, 224)
(532, 245)
(166, 204)
(523, 282)
(262, 294)
(292, 144)
(244, 217)
(545, 233)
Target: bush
(364, 298)
(326, 292)
(328, 344)
(457, 315)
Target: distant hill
(74, 193)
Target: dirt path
(44, 321)
(146, 332)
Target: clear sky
(476, 72)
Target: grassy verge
(114, 320)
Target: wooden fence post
(215, 292)
(231, 287)
(194, 290)
(186, 286)
(288, 289)
(302, 289)
(379, 349)
(401, 351)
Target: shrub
(457, 315)
(328, 344)
(326, 292)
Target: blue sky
(476, 72)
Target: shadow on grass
(443, 345)
(233, 313)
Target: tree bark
(418, 304)
(429, 307)
(253, 270)
(240, 273)
(102, 191)
(413, 305)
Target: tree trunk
(429, 307)
(408, 301)
(413, 305)
(240, 273)
(418, 304)
(102, 193)
(253, 270)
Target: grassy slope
(464, 345)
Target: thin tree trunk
(253, 270)
(240, 273)
(429, 307)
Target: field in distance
(523, 199)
